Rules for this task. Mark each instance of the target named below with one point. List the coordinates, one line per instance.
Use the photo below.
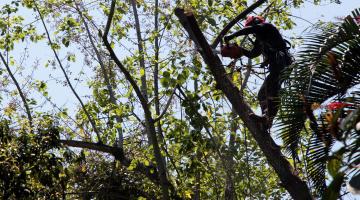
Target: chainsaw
(231, 50)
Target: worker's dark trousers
(269, 92)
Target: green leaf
(164, 82)
(132, 165)
(71, 22)
(142, 72)
(334, 166)
(166, 74)
(146, 163)
(66, 42)
(71, 58)
(188, 194)
(211, 21)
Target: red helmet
(253, 20)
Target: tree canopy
(110, 99)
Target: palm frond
(317, 154)
(316, 158)
(326, 67)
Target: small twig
(22, 96)
(166, 106)
(92, 122)
(138, 118)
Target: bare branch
(166, 106)
(138, 118)
(247, 75)
(91, 120)
(22, 96)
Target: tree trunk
(141, 50)
(150, 123)
(230, 192)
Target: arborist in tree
(273, 47)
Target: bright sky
(324, 12)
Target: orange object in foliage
(231, 51)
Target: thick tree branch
(126, 73)
(149, 171)
(292, 183)
(234, 21)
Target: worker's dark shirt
(268, 40)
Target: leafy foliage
(29, 165)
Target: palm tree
(320, 106)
